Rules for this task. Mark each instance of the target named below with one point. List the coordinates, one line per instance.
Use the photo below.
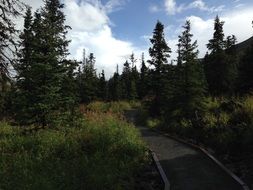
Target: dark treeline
(46, 83)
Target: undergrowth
(99, 151)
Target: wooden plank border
(222, 166)
(160, 170)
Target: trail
(185, 167)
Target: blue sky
(113, 29)
(137, 18)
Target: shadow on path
(185, 167)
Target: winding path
(185, 167)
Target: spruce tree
(134, 77)
(220, 66)
(126, 81)
(24, 74)
(115, 87)
(48, 64)
(143, 82)
(159, 53)
(90, 80)
(192, 82)
(102, 90)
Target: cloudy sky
(113, 29)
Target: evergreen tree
(69, 88)
(102, 91)
(159, 53)
(220, 66)
(126, 81)
(115, 86)
(192, 83)
(23, 68)
(134, 77)
(48, 64)
(143, 82)
(89, 88)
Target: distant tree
(89, 84)
(102, 90)
(144, 79)
(220, 66)
(134, 78)
(190, 98)
(115, 87)
(159, 53)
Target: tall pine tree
(192, 82)
(220, 66)
(159, 53)
(48, 64)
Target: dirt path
(186, 168)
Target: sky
(113, 29)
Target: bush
(99, 152)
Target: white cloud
(154, 8)
(114, 5)
(237, 22)
(85, 16)
(172, 7)
(91, 29)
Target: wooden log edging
(205, 152)
(160, 170)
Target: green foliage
(159, 53)
(88, 80)
(188, 94)
(226, 126)
(221, 65)
(112, 107)
(45, 78)
(143, 84)
(72, 157)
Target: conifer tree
(48, 63)
(126, 81)
(143, 82)
(192, 83)
(220, 65)
(134, 77)
(115, 88)
(23, 68)
(102, 90)
(159, 53)
(89, 88)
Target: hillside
(242, 47)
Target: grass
(113, 107)
(101, 151)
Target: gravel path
(185, 167)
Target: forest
(57, 112)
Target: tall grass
(101, 152)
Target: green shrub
(100, 152)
